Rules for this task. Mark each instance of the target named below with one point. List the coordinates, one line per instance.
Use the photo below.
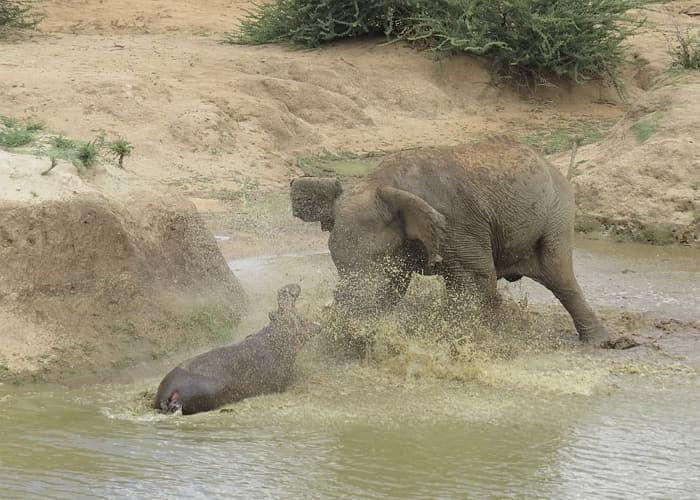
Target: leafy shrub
(312, 22)
(18, 14)
(686, 52)
(121, 148)
(88, 153)
(529, 39)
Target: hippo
(259, 364)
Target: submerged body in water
(259, 364)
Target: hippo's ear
(313, 199)
(421, 221)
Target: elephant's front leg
(477, 287)
(469, 269)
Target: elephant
(261, 363)
(472, 213)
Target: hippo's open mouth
(173, 404)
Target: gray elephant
(473, 214)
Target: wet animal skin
(259, 364)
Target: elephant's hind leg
(556, 272)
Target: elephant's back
(491, 174)
(494, 159)
(499, 184)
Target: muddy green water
(554, 424)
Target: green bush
(121, 148)
(89, 152)
(686, 51)
(312, 22)
(18, 14)
(528, 39)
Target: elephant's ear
(421, 221)
(313, 199)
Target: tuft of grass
(63, 143)
(88, 153)
(216, 322)
(121, 148)
(13, 138)
(344, 164)
(686, 51)
(34, 126)
(15, 133)
(18, 133)
(560, 139)
(9, 122)
(247, 187)
(644, 129)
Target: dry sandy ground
(209, 114)
(211, 119)
(206, 116)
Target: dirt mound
(102, 270)
(643, 180)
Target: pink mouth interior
(174, 398)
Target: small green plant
(88, 153)
(18, 133)
(18, 14)
(63, 143)
(13, 138)
(343, 164)
(34, 126)
(686, 52)
(9, 122)
(216, 322)
(556, 140)
(644, 129)
(121, 148)
(247, 186)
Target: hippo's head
(288, 320)
(184, 391)
(172, 403)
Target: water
(563, 423)
(640, 441)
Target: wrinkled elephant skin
(473, 214)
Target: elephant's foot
(624, 342)
(597, 335)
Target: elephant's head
(379, 234)
(313, 199)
